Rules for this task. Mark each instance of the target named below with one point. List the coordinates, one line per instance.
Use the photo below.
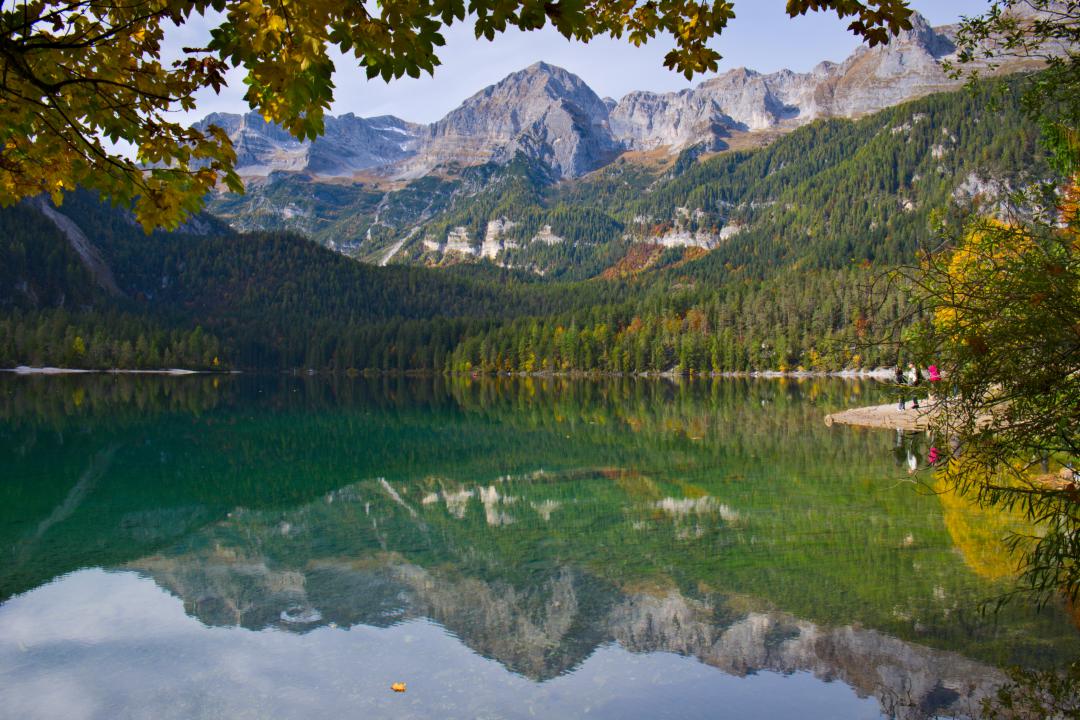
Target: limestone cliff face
(737, 100)
(544, 112)
(350, 144)
(741, 99)
(353, 143)
(873, 79)
(260, 146)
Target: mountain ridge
(893, 164)
(552, 116)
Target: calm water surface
(285, 548)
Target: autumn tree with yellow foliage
(1001, 314)
(80, 76)
(1004, 324)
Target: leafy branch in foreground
(1001, 303)
(1047, 33)
(78, 75)
(1004, 321)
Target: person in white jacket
(914, 378)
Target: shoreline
(886, 417)
(176, 372)
(874, 374)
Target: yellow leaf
(275, 23)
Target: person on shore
(934, 376)
(914, 377)
(898, 377)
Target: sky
(761, 37)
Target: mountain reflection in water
(556, 529)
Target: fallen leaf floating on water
(398, 687)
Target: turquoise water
(281, 547)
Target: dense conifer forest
(823, 212)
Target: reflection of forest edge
(119, 398)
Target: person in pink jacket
(934, 375)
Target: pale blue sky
(761, 37)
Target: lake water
(238, 547)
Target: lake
(279, 547)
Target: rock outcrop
(494, 243)
(349, 145)
(542, 112)
(743, 100)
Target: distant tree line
(102, 341)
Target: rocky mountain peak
(543, 111)
(746, 100)
(348, 145)
(524, 96)
(258, 144)
(875, 78)
(935, 42)
(542, 77)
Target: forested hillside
(261, 299)
(824, 194)
(743, 260)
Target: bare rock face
(741, 99)
(352, 143)
(349, 144)
(493, 238)
(873, 79)
(646, 120)
(260, 146)
(543, 112)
